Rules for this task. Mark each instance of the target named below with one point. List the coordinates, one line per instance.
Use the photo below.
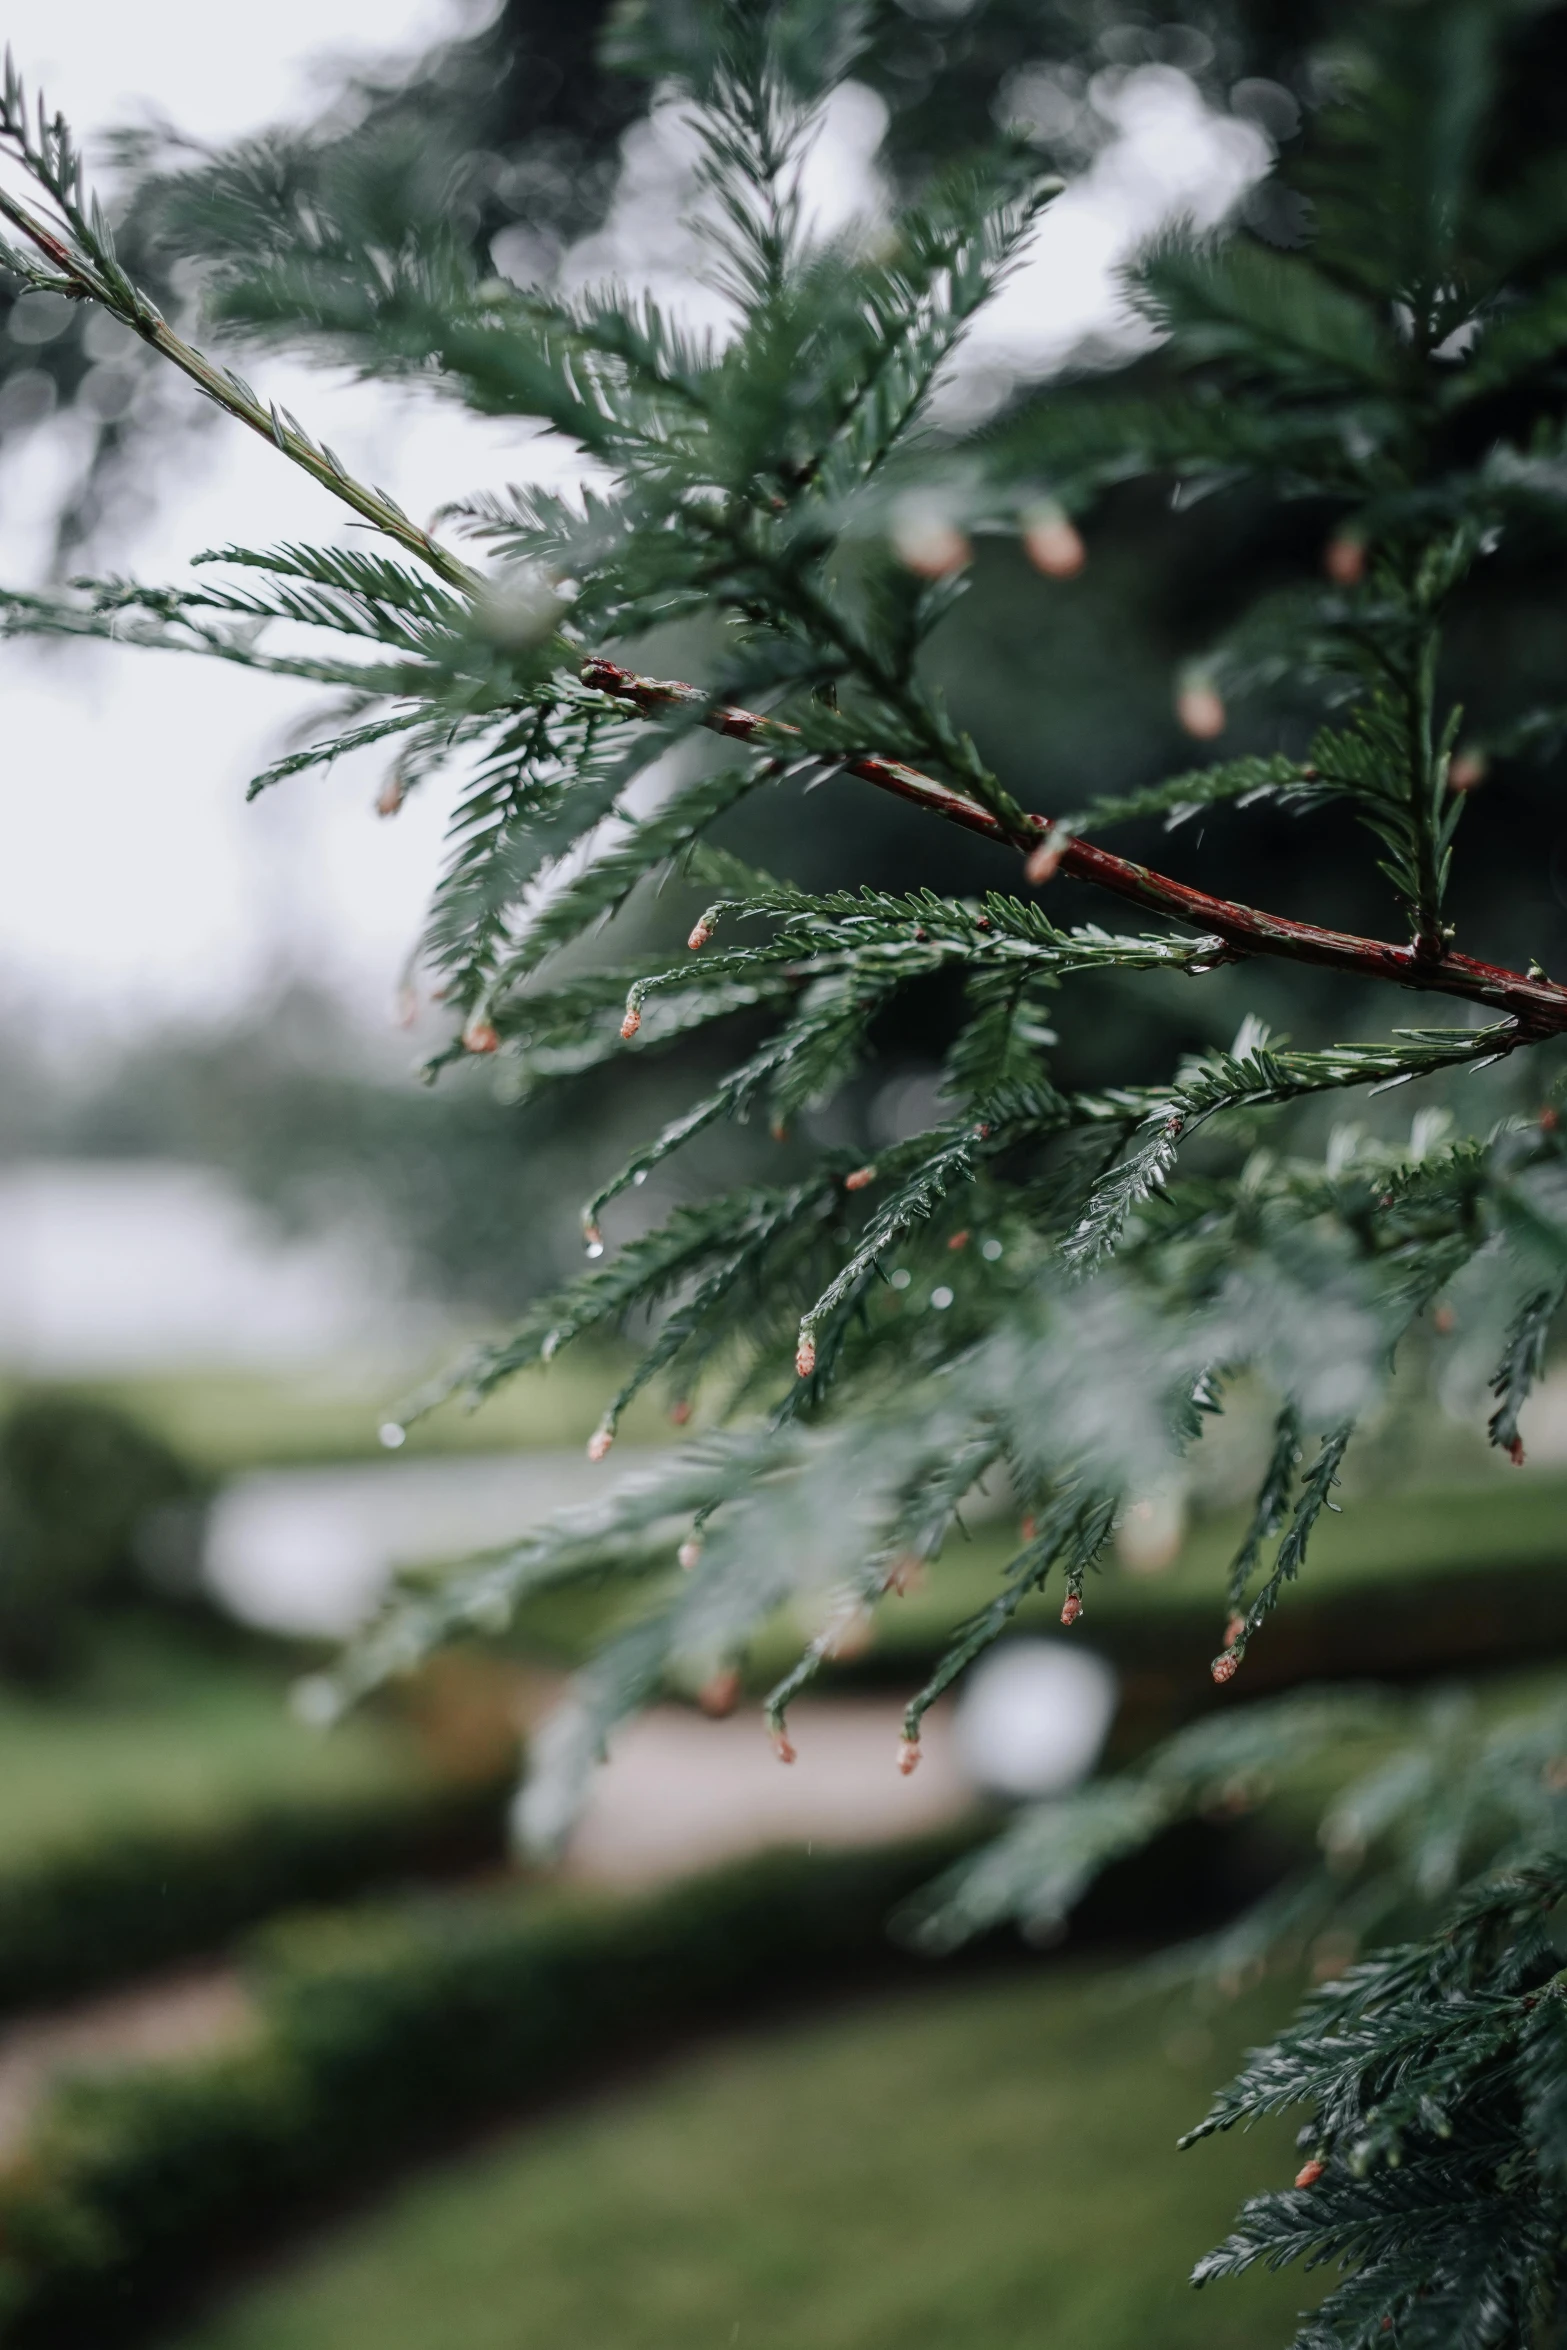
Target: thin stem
(135, 310)
(1538, 1005)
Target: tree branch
(1538, 1005)
(88, 281)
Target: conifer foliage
(1042, 1286)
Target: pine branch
(1537, 1006)
(79, 249)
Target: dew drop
(640, 1176)
(392, 1433)
(595, 1248)
(902, 1277)
(990, 1251)
(941, 1298)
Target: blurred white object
(1033, 1717)
(312, 1550)
(120, 1266)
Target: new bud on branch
(1041, 863)
(1051, 542)
(1344, 559)
(926, 541)
(1200, 707)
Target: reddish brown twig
(1538, 1005)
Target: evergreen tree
(1056, 1286)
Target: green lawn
(162, 1732)
(976, 2167)
(230, 1420)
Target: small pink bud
(805, 1358)
(1466, 771)
(1071, 1608)
(719, 1695)
(1039, 866)
(1027, 1530)
(1515, 1452)
(1200, 709)
(908, 1755)
(782, 1748)
(1224, 1668)
(859, 1179)
(1309, 2172)
(905, 1575)
(1052, 544)
(631, 1023)
(406, 1010)
(391, 795)
(1444, 1321)
(958, 1240)
(599, 1443)
(927, 543)
(1344, 559)
(480, 1037)
(700, 935)
(1233, 1630)
(779, 1131)
(680, 1412)
(689, 1553)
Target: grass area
(167, 1732)
(225, 1420)
(984, 2167)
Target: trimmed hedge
(383, 2033)
(138, 1898)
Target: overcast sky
(134, 882)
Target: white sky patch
(134, 880)
(649, 240)
(217, 70)
(1171, 157)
